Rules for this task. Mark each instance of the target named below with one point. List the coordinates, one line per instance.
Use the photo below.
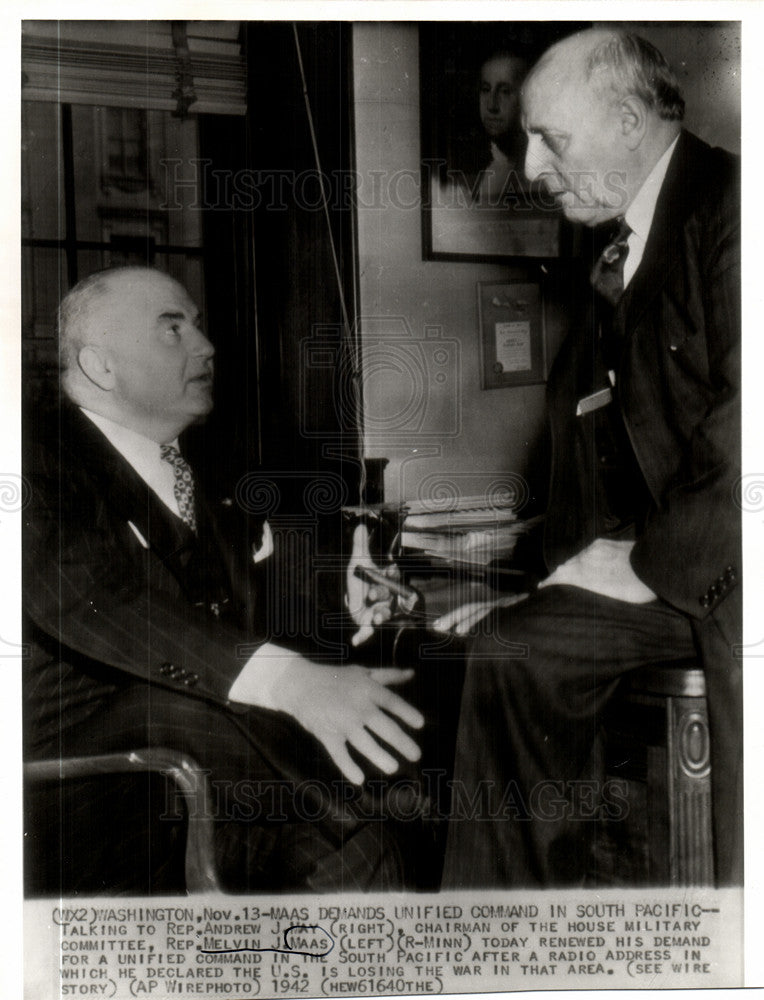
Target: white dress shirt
(267, 662)
(144, 455)
(639, 215)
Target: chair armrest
(200, 872)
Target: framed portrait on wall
(477, 203)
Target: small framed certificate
(512, 334)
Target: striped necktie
(184, 484)
(607, 273)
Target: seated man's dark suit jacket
(104, 610)
(135, 646)
(678, 388)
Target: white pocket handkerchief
(266, 546)
(594, 402)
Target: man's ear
(94, 364)
(633, 121)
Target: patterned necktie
(184, 484)
(607, 273)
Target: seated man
(643, 533)
(140, 607)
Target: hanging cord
(347, 332)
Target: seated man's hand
(342, 708)
(466, 616)
(604, 568)
(368, 604)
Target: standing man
(141, 600)
(643, 538)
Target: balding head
(79, 315)
(600, 109)
(616, 64)
(132, 350)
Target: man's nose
(201, 346)
(493, 100)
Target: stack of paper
(470, 530)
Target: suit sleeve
(90, 585)
(690, 553)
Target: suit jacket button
(190, 680)
(705, 601)
(166, 668)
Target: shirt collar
(141, 452)
(639, 214)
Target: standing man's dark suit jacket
(678, 388)
(101, 609)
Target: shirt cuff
(260, 677)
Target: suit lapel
(125, 493)
(663, 248)
(210, 568)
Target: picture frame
(477, 204)
(512, 333)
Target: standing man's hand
(460, 620)
(369, 604)
(604, 568)
(342, 707)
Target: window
(94, 195)
(125, 149)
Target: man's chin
(204, 405)
(200, 393)
(200, 416)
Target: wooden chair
(657, 744)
